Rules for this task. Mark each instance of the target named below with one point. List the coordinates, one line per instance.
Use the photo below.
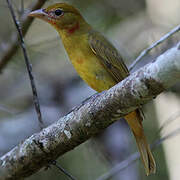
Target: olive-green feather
(108, 55)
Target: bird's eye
(58, 12)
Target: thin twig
(8, 49)
(63, 170)
(170, 120)
(33, 86)
(116, 169)
(7, 110)
(145, 51)
(54, 163)
(28, 66)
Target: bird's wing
(108, 56)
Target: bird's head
(61, 16)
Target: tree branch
(161, 40)
(92, 116)
(10, 48)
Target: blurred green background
(131, 26)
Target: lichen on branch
(92, 116)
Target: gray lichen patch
(67, 133)
(88, 124)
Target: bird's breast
(89, 67)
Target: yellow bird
(97, 62)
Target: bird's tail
(134, 120)
(146, 155)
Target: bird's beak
(40, 13)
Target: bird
(96, 61)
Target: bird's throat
(72, 29)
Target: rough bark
(92, 116)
